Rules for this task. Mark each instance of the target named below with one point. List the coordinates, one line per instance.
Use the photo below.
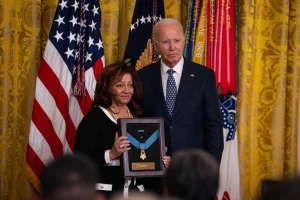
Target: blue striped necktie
(171, 92)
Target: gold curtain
(24, 29)
(269, 91)
(269, 83)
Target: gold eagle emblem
(146, 57)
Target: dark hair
(192, 175)
(280, 189)
(112, 74)
(72, 176)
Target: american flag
(73, 59)
(146, 14)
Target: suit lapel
(156, 84)
(185, 88)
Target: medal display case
(147, 141)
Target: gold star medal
(143, 154)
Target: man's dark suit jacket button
(171, 127)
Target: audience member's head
(135, 196)
(280, 190)
(69, 177)
(192, 175)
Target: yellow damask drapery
(24, 29)
(269, 78)
(269, 92)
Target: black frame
(127, 165)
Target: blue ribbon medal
(143, 146)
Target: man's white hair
(165, 22)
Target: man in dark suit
(190, 109)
